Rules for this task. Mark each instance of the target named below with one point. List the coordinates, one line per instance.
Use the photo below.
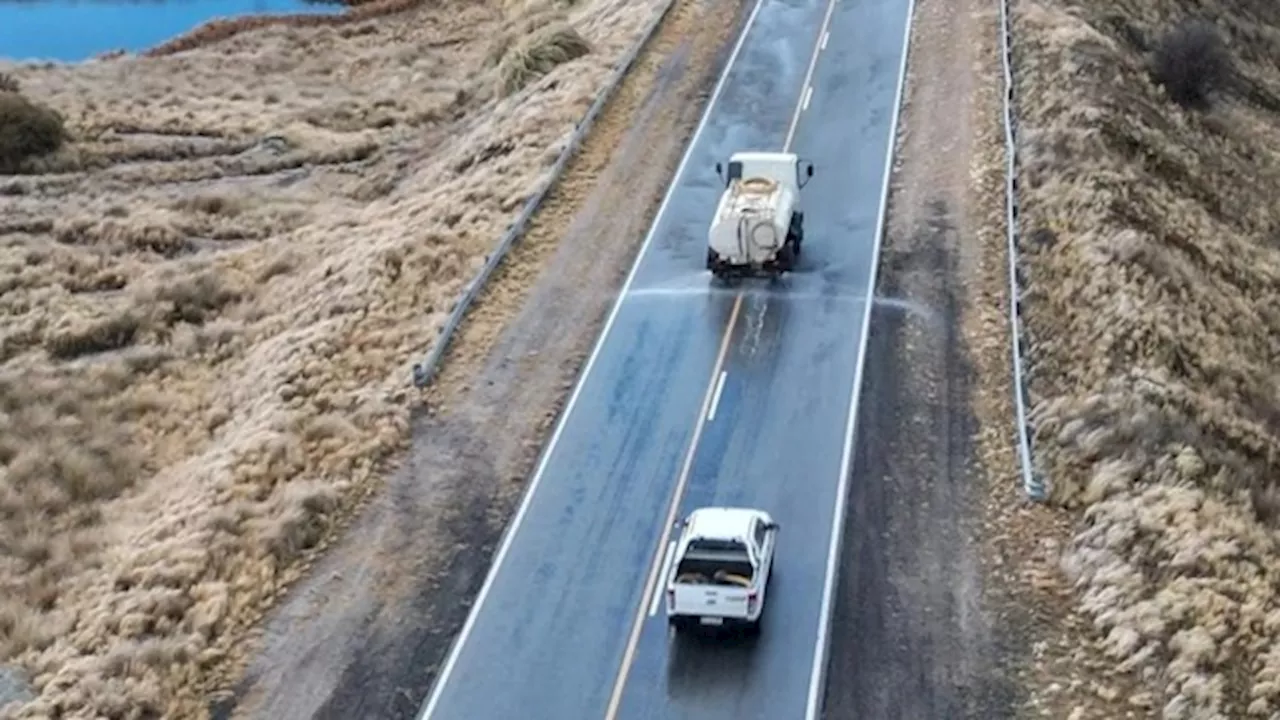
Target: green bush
(27, 130)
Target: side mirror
(808, 173)
(771, 526)
(720, 171)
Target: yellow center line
(655, 567)
(682, 481)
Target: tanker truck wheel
(796, 231)
(787, 258)
(716, 267)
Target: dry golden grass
(1155, 320)
(212, 298)
(537, 54)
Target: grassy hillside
(217, 266)
(1153, 240)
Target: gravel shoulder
(926, 623)
(364, 634)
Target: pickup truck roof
(722, 523)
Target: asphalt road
(701, 395)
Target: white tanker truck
(758, 226)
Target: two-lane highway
(779, 435)
(695, 396)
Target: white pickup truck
(720, 568)
(758, 226)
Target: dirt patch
(212, 296)
(364, 635)
(1154, 316)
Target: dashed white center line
(808, 95)
(666, 568)
(807, 83)
(715, 399)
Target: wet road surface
(564, 628)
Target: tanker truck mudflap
(758, 228)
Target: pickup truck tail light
(671, 596)
(751, 601)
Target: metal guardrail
(425, 371)
(1032, 482)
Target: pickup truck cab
(720, 569)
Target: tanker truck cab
(720, 569)
(758, 227)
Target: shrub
(27, 130)
(75, 339)
(1190, 61)
(195, 299)
(538, 54)
(9, 83)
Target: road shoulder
(364, 634)
(925, 625)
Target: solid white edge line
(442, 679)
(666, 570)
(825, 37)
(818, 672)
(808, 95)
(715, 400)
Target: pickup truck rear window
(706, 545)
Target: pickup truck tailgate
(710, 600)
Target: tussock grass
(27, 129)
(193, 299)
(536, 55)
(1154, 313)
(63, 453)
(211, 301)
(218, 30)
(74, 337)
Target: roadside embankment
(1153, 307)
(212, 292)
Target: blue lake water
(72, 30)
